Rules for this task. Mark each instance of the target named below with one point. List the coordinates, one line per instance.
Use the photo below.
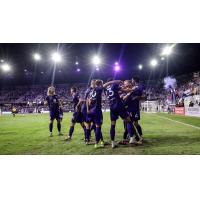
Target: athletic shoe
(140, 141)
(50, 134)
(68, 138)
(96, 146)
(132, 140)
(113, 144)
(102, 144)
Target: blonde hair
(51, 91)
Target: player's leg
(113, 119)
(131, 130)
(125, 135)
(59, 126)
(88, 132)
(71, 130)
(138, 137)
(51, 127)
(84, 129)
(98, 119)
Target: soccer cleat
(113, 144)
(60, 134)
(50, 134)
(102, 144)
(140, 141)
(96, 146)
(68, 138)
(132, 140)
(87, 142)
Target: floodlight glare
(167, 50)
(6, 67)
(117, 68)
(37, 56)
(96, 60)
(76, 63)
(153, 62)
(56, 57)
(140, 67)
(78, 70)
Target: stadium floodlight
(78, 69)
(140, 67)
(97, 68)
(56, 57)
(6, 67)
(37, 56)
(96, 60)
(167, 50)
(76, 63)
(2, 61)
(117, 67)
(154, 63)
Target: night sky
(25, 70)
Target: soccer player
(117, 109)
(84, 112)
(94, 112)
(132, 101)
(54, 109)
(77, 115)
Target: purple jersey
(133, 103)
(84, 107)
(95, 97)
(53, 103)
(112, 93)
(75, 99)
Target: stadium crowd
(29, 99)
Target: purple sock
(88, 134)
(71, 130)
(50, 127)
(130, 129)
(112, 132)
(85, 132)
(59, 126)
(101, 135)
(97, 134)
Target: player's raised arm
(112, 82)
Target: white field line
(196, 127)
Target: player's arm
(88, 105)
(127, 90)
(111, 82)
(79, 103)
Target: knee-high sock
(71, 130)
(97, 134)
(85, 131)
(130, 129)
(125, 131)
(59, 126)
(50, 127)
(112, 132)
(101, 135)
(88, 134)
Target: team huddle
(124, 102)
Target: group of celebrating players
(123, 97)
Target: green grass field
(29, 135)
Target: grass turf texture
(29, 135)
